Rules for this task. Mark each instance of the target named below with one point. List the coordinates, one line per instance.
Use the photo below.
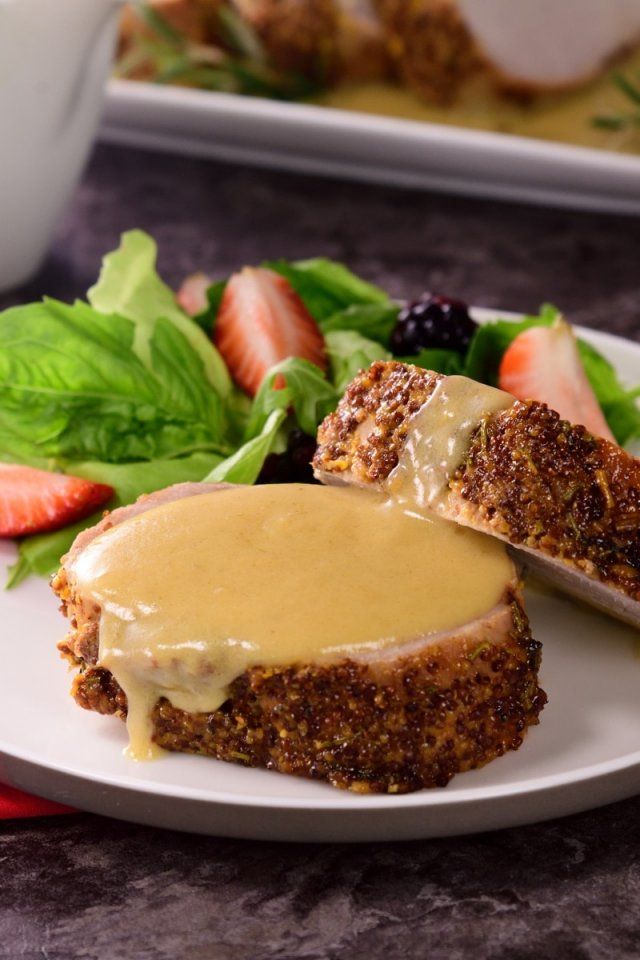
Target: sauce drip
(194, 592)
(438, 439)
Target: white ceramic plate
(322, 140)
(586, 751)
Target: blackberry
(292, 466)
(432, 321)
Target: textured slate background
(86, 887)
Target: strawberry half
(543, 364)
(262, 321)
(192, 295)
(35, 501)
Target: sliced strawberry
(543, 363)
(33, 501)
(262, 321)
(192, 295)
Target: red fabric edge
(15, 804)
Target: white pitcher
(54, 58)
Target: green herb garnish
(238, 63)
(627, 119)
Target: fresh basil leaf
(41, 554)
(372, 320)
(307, 391)
(245, 464)
(492, 339)
(349, 352)
(16, 443)
(129, 286)
(72, 385)
(449, 362)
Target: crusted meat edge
(411, 723)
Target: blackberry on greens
(292, 466)
(435, 322)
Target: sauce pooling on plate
(194, 592)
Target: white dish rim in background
(313, 139)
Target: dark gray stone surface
(86, 887)
(92, 888)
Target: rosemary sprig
(240, 36)
(239, 64)
(625, 120)
(157, 23)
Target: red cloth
(14, 803)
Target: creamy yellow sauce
(564, 117)
(438, 438)
(194, 592)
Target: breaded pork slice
(524, 48)
(567, 502)
(400, 719)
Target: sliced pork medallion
(531, 46)
(316, 631)
(567, 502)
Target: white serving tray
(322, 140)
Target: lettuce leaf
(449, 362)
(307, 392)
(372, 320)
(326, 286)
(619, 404)
(129, 286)
(306, 398)
(492, 339)
(349, 352)
(245, 464)
(41, 554)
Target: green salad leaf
(245, 464)
(490, 341)
(307, 391)
(129, 286)
(619, 404)
(449, 362)
(207, 318)
(375, 321)
(327, 287)
(40, 554)
(349, 352)
(73, 382)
